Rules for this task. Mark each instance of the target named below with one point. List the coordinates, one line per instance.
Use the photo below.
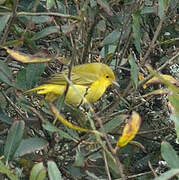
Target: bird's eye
(107, 76)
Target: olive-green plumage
(89, 80)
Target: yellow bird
(89, 80)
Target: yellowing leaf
(171, 108)
(165, 76)
(26, 58)
(157, 92)
(130, 130)
(165, 79)
(140, 78)
(64, 121)
(63, 60)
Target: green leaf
(101, 26)
(13, 139)
(174, 99)
(76, 173)
(112, 166)
(112, 37)
(29, 76)
(5, 74)
(33, 73)
(105, 6)
(38, 172)
(36, 19)
(93, 176)
(108, 51)
(5, 118)
(175, 118)
(168, 175)
(113, 124)
(13, 43)
(79, 158)
(2, 2)
(169, 155)
(50, 4)
(136, 30)
(5, 170)
(53, 171)
(93, 3)
(134, 71)
(30, 145)
(51, 128)
(21, 80)
(3, 22)
(162, 7)
(45, 32)
(148, 10)
(60, 101)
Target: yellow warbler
(89, 80)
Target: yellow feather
(89, 81)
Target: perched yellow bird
(89, 80)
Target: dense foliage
(42, 37)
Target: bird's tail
(51, 91)
(43, 89)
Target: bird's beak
(116, 83)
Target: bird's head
(108, 76)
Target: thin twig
(136, 175)
(68, 16)
(152, 169)
(16, 108)
(152, 44)
(125, 49)
(70, 69)
(89, 36)
(138, 4)
(152, 131)
(41, 118)
(11, 20)
(106, 165)
(30, 21)
(117, 162)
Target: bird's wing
(79, 78)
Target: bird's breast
(96, 90)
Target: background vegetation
(125, 34)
